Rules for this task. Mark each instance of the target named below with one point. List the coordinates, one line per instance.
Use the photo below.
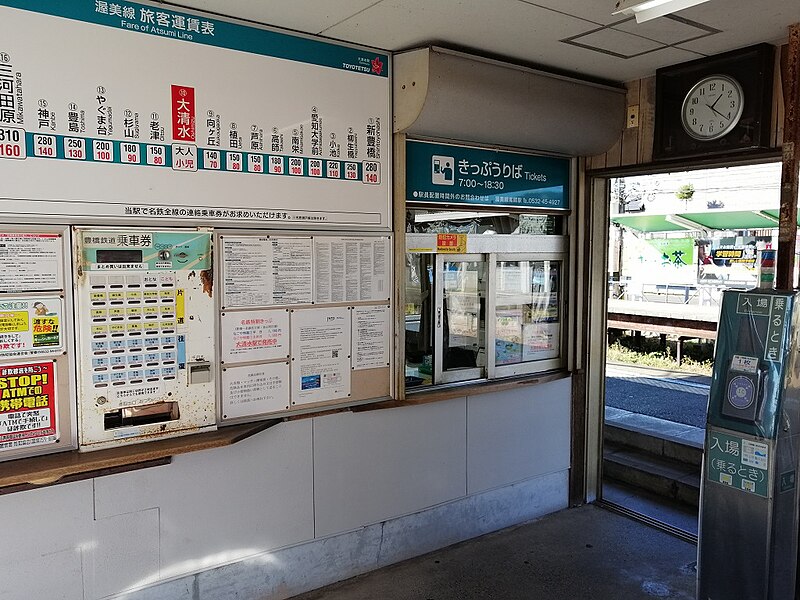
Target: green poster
(674, 251)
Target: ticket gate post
(749, 495)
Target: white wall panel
(47, 520)
(375, 465)
(518, 434)
(125, 554)
(45, 532)
(220, 505)
(55, 576)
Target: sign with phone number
(457, 174)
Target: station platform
(585, 553)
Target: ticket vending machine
(749, 497)
(145, 328)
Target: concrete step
(660, 442)
(667, 477)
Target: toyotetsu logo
(377, 65)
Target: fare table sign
(150, 111)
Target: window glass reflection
(527, 319)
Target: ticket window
(493, 311)
(460, 319)
(482, 316)
(526, 314)
(419, 318)
(445, 318)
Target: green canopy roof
(711, 219)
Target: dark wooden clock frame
(752, 67)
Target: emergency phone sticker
(31, 326)
(27, 404)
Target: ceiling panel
(596, 11)
(526, 30)
(665, 29)
(617, 42)
(309, 16)
(742, 22)
(617, 69)
(505, 27)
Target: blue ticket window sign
(456, 174)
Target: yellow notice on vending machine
(180, 304)
(13, 322)
(30, 326)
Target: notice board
(305, 321)
(140, 111)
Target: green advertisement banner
(674, 251)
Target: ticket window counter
(483, 315)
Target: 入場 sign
(738, 462)
(468, 175)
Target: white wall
(297, 506)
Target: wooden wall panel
(630, 135)
(635, 144)
(647, 119)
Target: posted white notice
(255, 335)
(247, 268)
(351, 269)
(30, 262)
(267, 271)
(371, 337)
(255, 390)
(320, 355)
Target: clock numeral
(733, 104)
(730, 93)
(694, 121)
(691, 112)
(695, 100)
(712, 86)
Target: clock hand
(711, 106)
(715, 102)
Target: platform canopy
(711, 219)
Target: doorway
(675, 242)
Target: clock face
(712, 108)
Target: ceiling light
(645, 10)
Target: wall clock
(716, 105)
